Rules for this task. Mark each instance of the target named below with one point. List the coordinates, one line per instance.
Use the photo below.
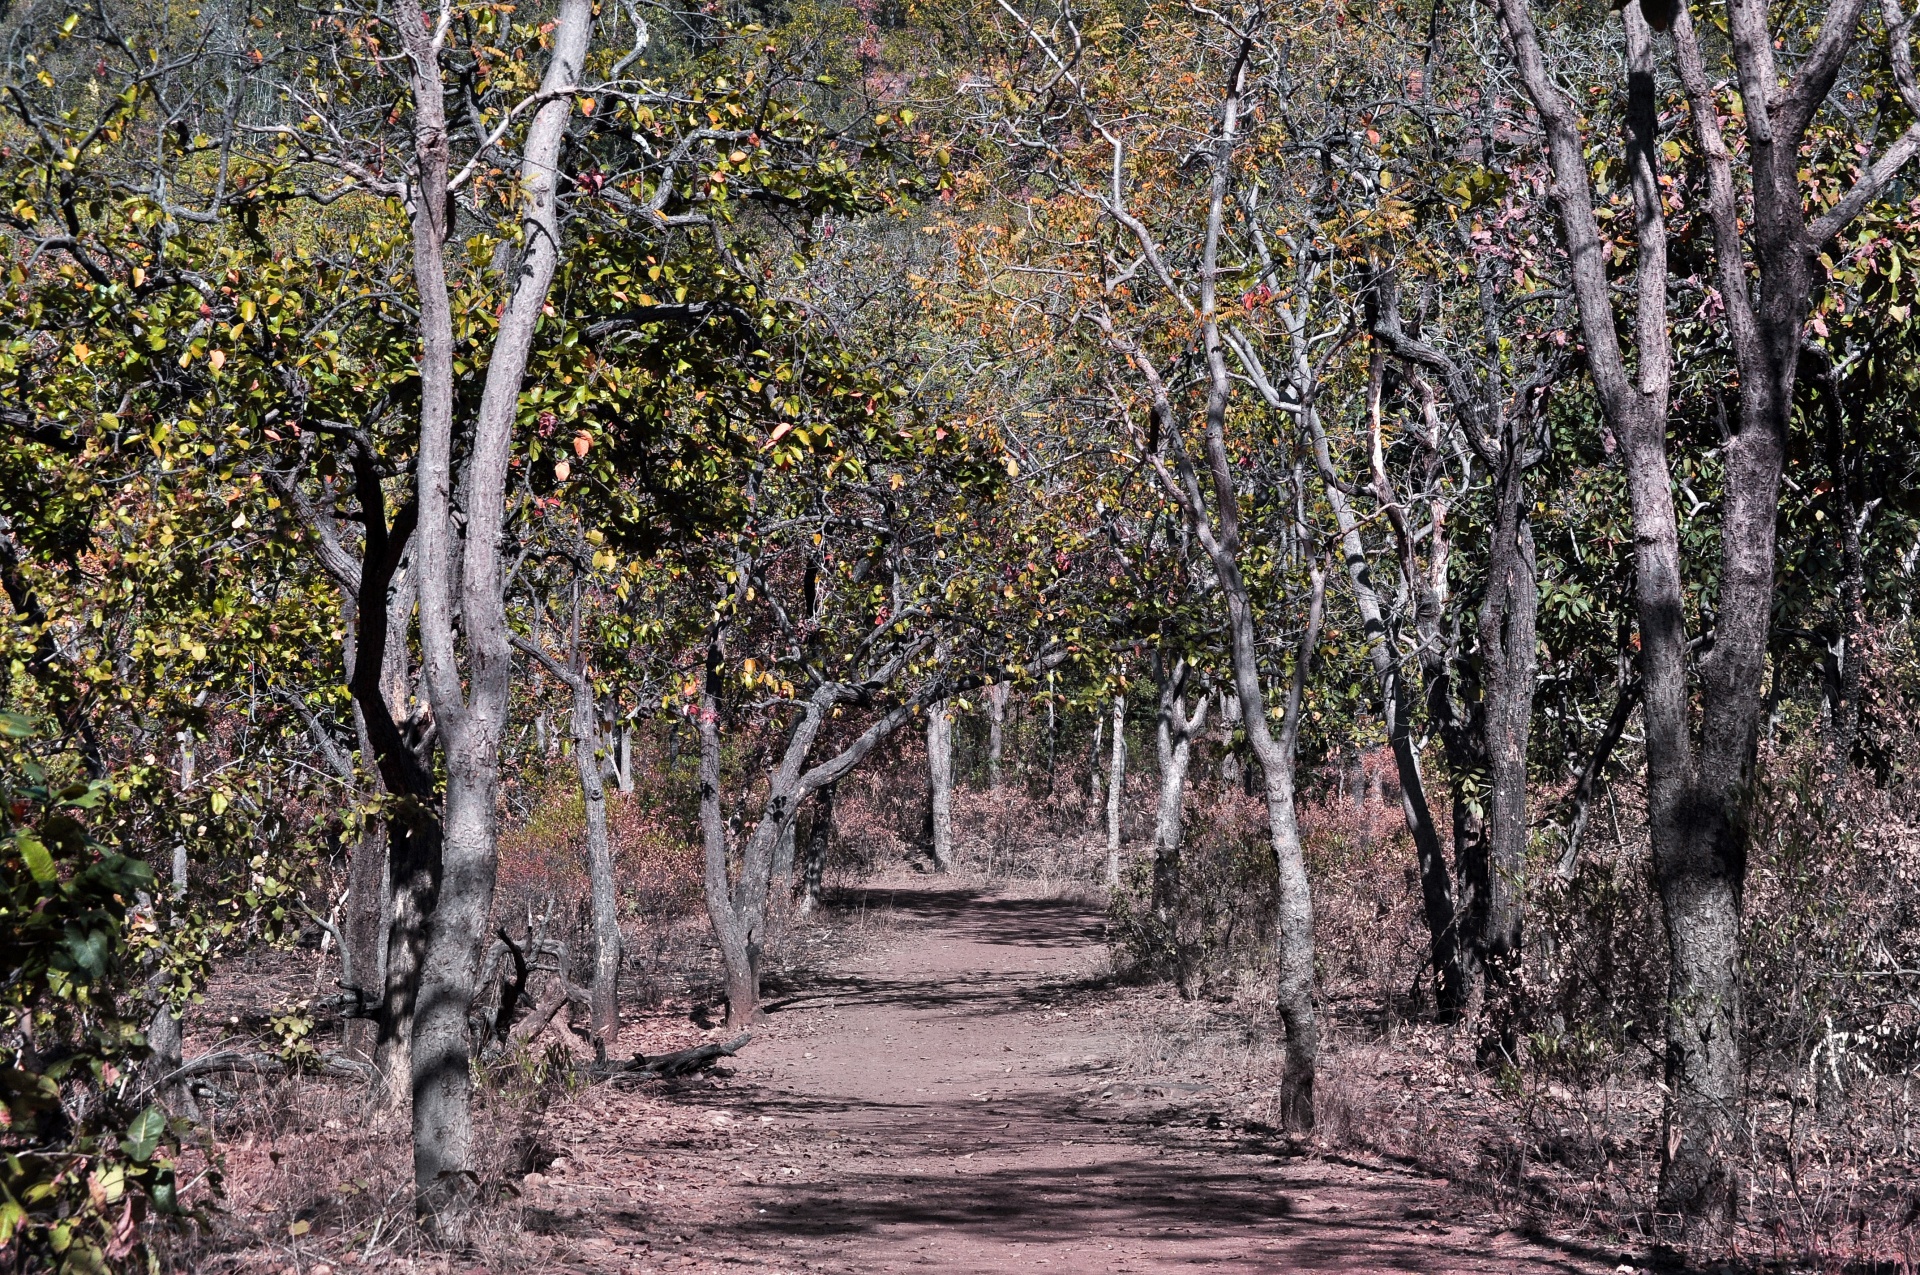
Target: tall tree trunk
(996, 725)
(1218, 531)
(1116, 787)
(1173, 741)
(462, 599)
(1096, 787)
(1509, 663)
(940, 783)
(1053, 732)
(589, 759)
(1698, 793)
(819, 837)
(603, 893)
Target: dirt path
(934, 1106)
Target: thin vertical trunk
(604, 994)
(180, 846)
(1116, 787)
(1053, 733)
(1218, 531)
(1436, 889)
(739, 955)
(1173, 741)
(1096, 787)
(940, 783)
(996, 725)
(819, 837)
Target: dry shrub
(656, 862)
(1015, 834)
(1218, 942)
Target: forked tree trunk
(1698, 787)
(462, 598)
(940, 784)
(737, 904)
(1116, 787)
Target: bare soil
(936, 1102)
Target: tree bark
(602, 889)
(589, 755)
(1096, 787)
(1116, 787)
(996, 725)
(1218, 530)
(364, 924)
(1173, 740)
(940, 783)
(1698, 792)
(462, 600)
(819, 837)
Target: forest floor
(953, 1097)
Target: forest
(1000, 634)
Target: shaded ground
(936, 1105)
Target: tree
(1699, 781)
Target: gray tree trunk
(1096, 788)
(1116, 787)
(462, 599)
(940, 783)
(1698, 788)
(1173, 742)
(996, 726)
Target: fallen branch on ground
(265, 1064)
(680, 1063)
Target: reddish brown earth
(935, 1104)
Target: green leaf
(143, 1135)
(34, 852)
(16, 726)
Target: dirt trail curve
(929, 1107)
